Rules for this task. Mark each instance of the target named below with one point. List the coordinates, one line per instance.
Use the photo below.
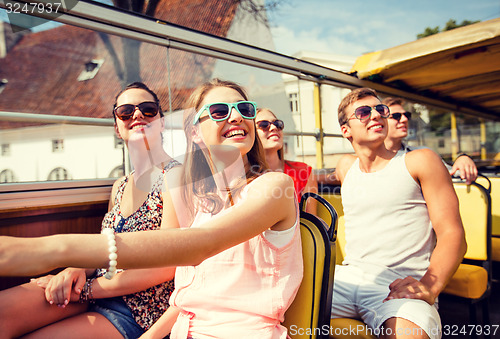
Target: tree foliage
(451, 24)
(129, 70)
(258, 10)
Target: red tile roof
(42, 68)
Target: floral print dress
(148, 305)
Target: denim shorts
(118, 313)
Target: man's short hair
(354, 95)
(393, 101)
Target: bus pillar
(483, 139)
(318, 125)
(454, 137)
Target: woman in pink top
(242, 254)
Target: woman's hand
(65, 286)
(42, 281)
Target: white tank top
(387, 225)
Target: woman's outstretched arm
(267, 205)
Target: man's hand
(410, 288)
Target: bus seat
(342, 327)
(340, 248)
(495, 248)
(493, 183)
(309, 314)
(336, 201)
(472, 280)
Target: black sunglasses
(148, 109)
(397, 116)
(365, 112)
(265, 125)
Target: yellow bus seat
(495, 248)
(472, 280)
(493, 183)
(340, 249)
(342, 327)
(469, 281)
(309, 314)
(336, 201)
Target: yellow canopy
(461, 66)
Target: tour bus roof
(461, 66)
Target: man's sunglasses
(265, 125)
(364, 113)
(397, 116)
(220, 111)
(148, 109)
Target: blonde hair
(200, 189)
(280, 151)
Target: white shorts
(359, 295)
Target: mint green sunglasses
(220, 111)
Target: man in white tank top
(397, 125)
(401, 249)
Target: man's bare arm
(427, 169)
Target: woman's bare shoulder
(344, 164)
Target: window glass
(73, 73)
(5, 150)
(475, 137)
(7, 175)
(57, 145)
(59, 72)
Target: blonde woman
(270, 132)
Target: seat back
(493, 182)
(309, 314)
(342, 325)
(475, 211)
(336, 201)
(472, 279)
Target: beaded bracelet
(110, 234)
(86, 293)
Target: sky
(355, 27)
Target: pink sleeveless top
(242, 292)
